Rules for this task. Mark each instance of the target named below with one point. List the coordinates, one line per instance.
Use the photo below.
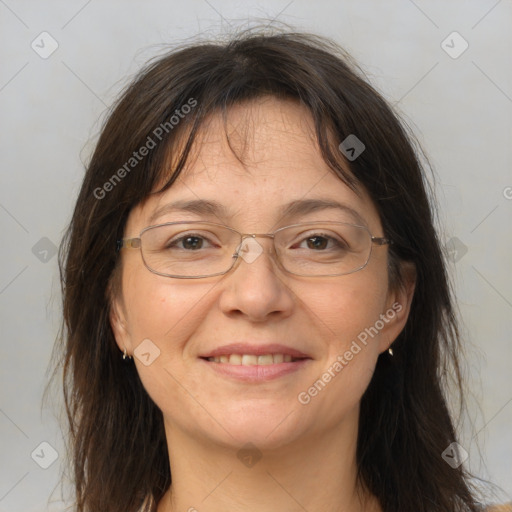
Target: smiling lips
(252, 360)
(245, 354)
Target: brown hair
(116, 434)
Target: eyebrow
(212, 208)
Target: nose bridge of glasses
(249, 248)
(253, 236)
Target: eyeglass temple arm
(127, 243)
(381, 240)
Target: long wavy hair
(116, 439)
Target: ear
(117, 317)
(398, 306)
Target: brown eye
(190, 242)
(320, 242)
(317, 242)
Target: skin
(308, 452)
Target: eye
(189, 242)
(320, 242)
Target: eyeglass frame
(136, 243)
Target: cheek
(347, 318)
(345, 309)
(165, 311)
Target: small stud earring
(390, 351)
(125, 355)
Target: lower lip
(256, 373)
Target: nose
(257, 288)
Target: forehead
(259, 162)
(263, 132)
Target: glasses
(192, 250)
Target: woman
(257, 312)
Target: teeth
(235, 359)
(278, 358)
(268, 359)
(252, 360)
(247, 360)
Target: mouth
(255, 363)
(254, 360)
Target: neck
(318, 473)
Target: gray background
(52, 109)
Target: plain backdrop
(455, 91)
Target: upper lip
(256, 350)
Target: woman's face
(348, 319)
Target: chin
(267, 427)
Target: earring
(390, 351)
(125, 355)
